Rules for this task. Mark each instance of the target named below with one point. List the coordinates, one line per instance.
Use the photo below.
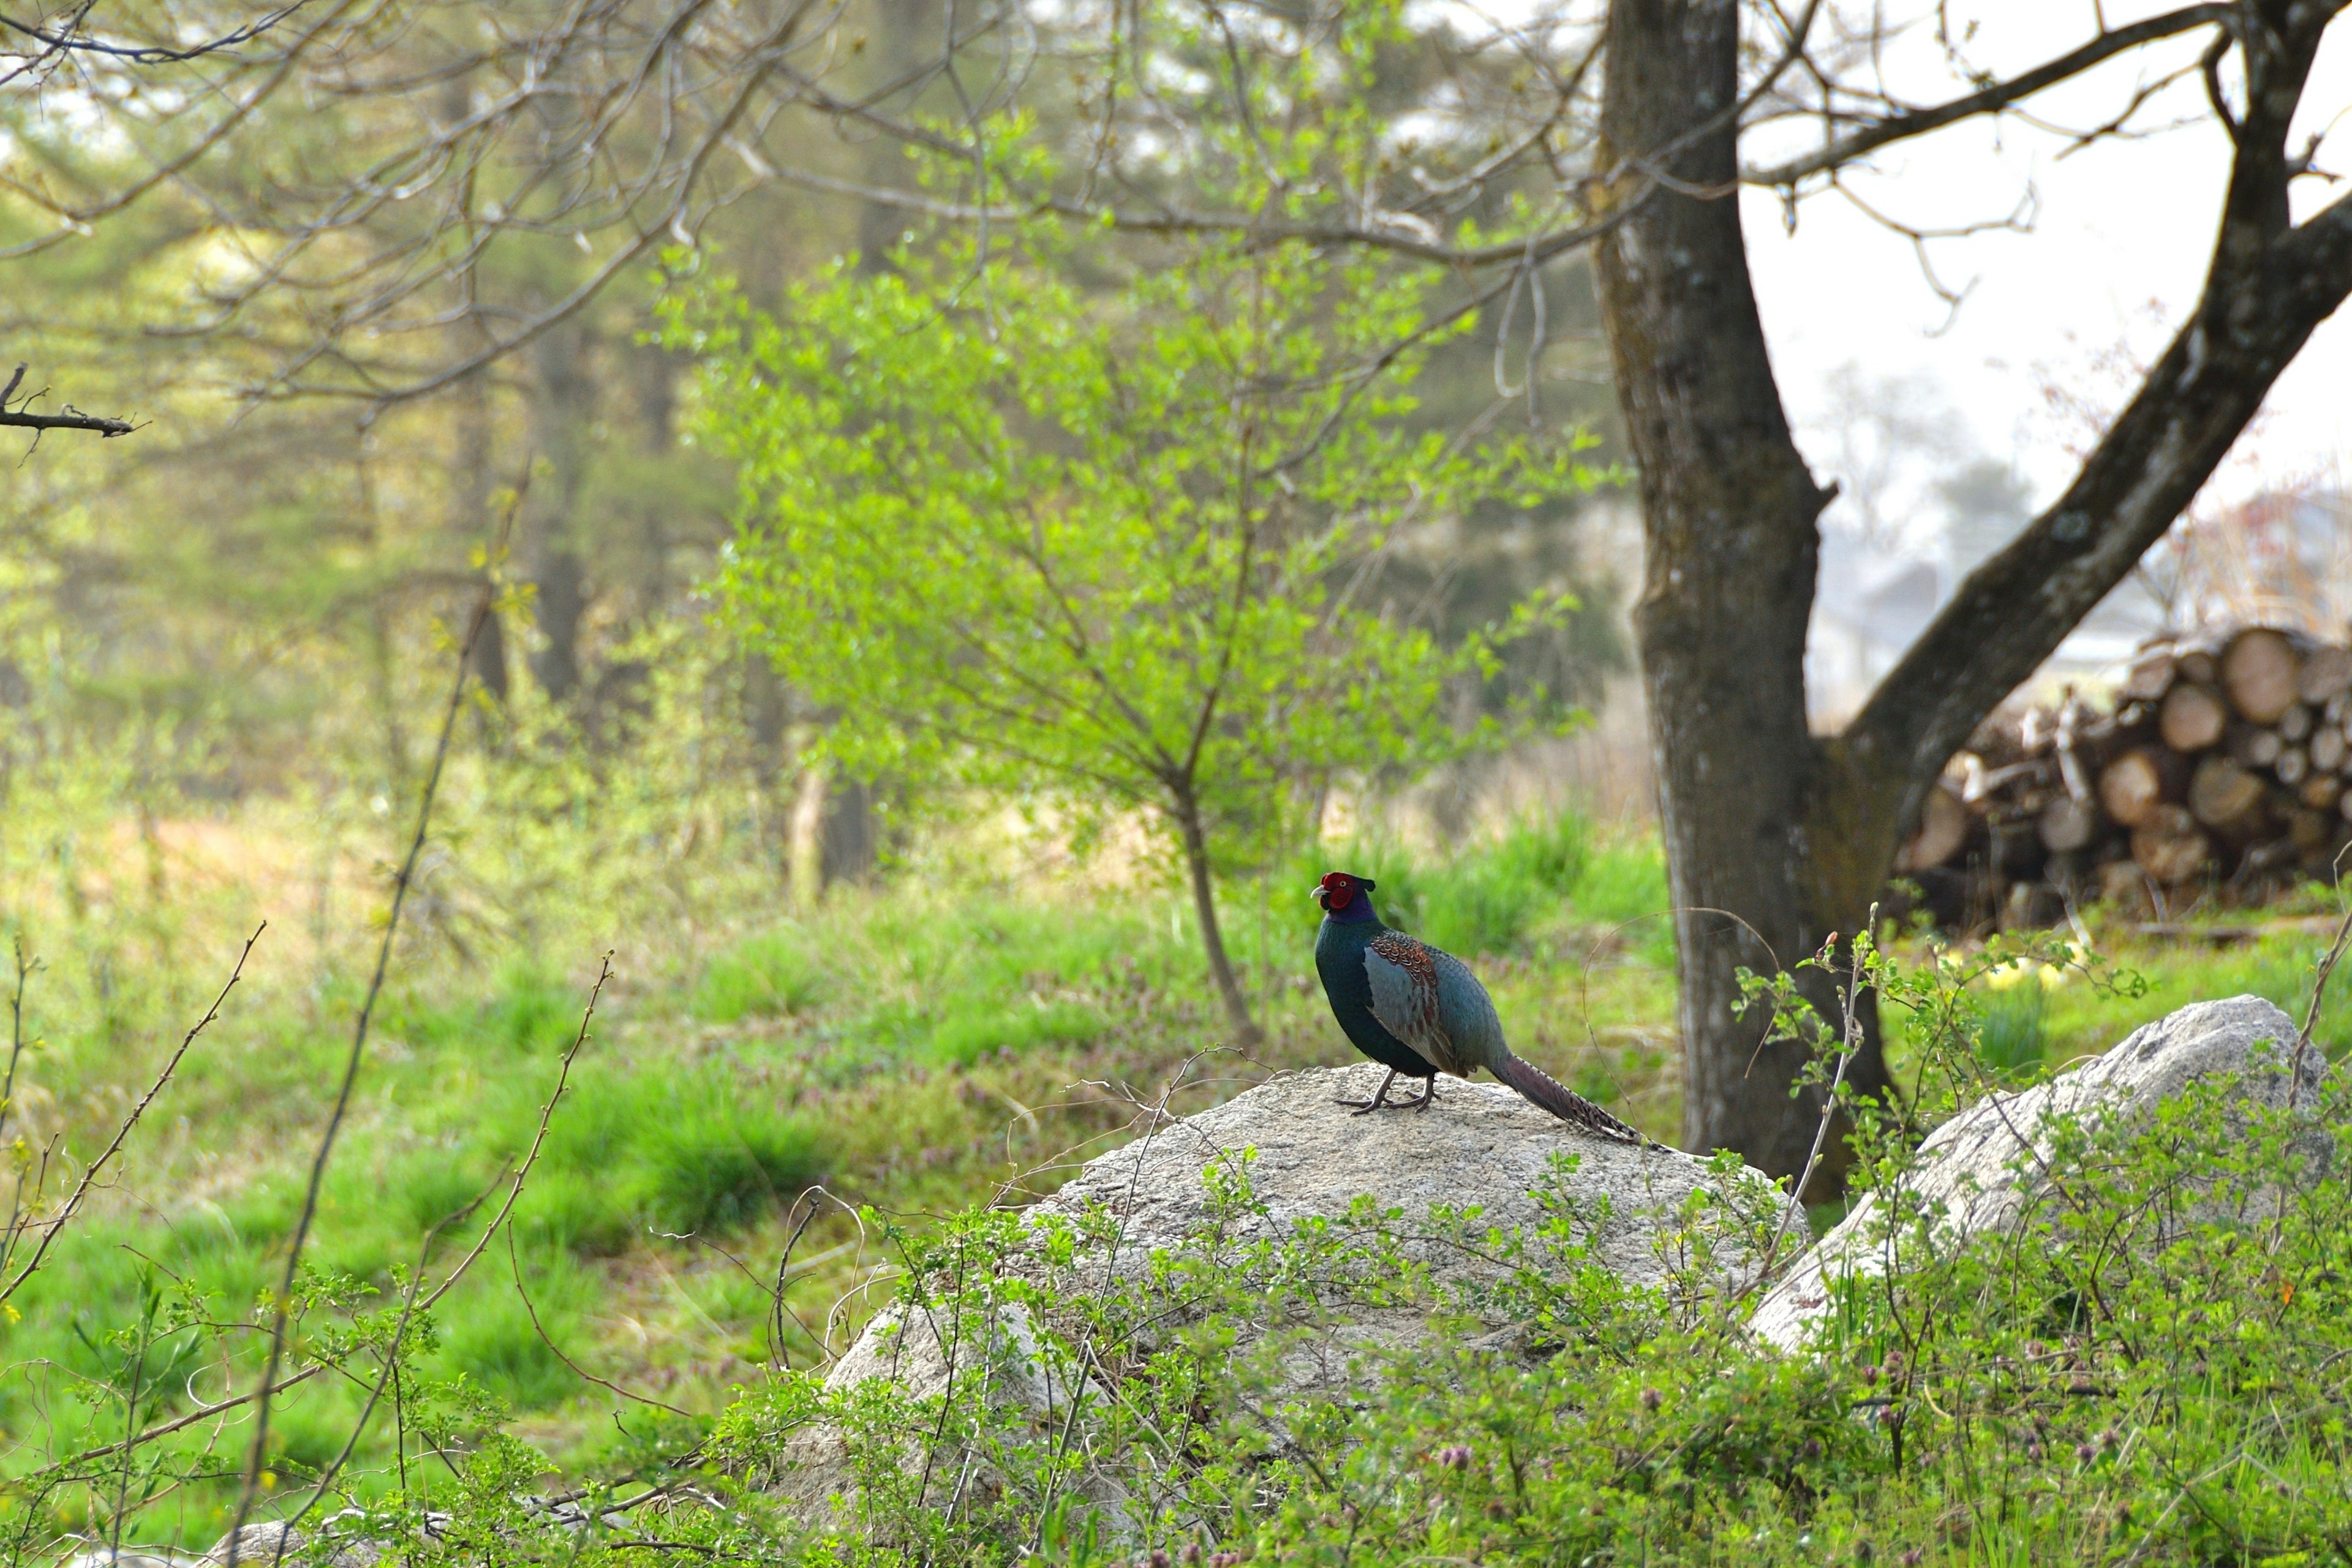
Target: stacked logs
(2216, 771)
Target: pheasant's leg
(1428, 1093)
(1380, 1097)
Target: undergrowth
(913, 1051)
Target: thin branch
(412, 1306)
(146, 53)
(1990, 99)
(71, 419)
(282, 1301)
(122, 1133)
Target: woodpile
(2215, 772)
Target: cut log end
(2132, 787)
(2260, 670)
(2067, 823)
(2194, 717)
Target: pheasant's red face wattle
(1338, 889)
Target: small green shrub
(681, 1153)
(573, 1211)
(762, 976)
(2014, 1036)
(1622, 885)
(996, 1028)
(489, 1338)
(1485, 901)
(431, 1186)
(709, 1166)
(1485, 898)
(597, 1121)
(531, 1011)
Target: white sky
(2120, 225)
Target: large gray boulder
(1480, 1144)
(1986, 1166)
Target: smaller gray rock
(1985, 1166)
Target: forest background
(225, 645)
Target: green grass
(913, 1047)
(767, 976)
(2016, 1035)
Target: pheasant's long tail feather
(1543, 1089)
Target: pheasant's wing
(1406, 996)
(1466, 1014)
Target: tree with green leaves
(1112, 549)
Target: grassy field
(921, 1047)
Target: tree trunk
(805, 858)
(1205, 907)
(1729, 513)
(562, 404)
(849, 839)
(474, 525)
(1774, 838)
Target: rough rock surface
(1480, 1143)
(272, 1544)
(1985, 1164)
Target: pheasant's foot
(1380, 1097)
(1428, 1094)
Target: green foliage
(1494, 895)
(2014, 1035)
(706, 1165)
(968, 1039)
(1110, 551)
(680, 1151)
(498, 1346)
(760, 976)
(2152, 1366)
(530, 1012)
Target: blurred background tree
(1118, 549)
(376, 265)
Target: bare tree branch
(1990, 99)
(71, 39)
(73, 418)
(2268, 286)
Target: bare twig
(71, 419)
(2000, 95)
(72, 41)
(15, 1028)
(72, 1205)
(514, 1263)
(1850, 1045)
(281, 1304)
(2311, 1013)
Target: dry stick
(8, 1097)
(783, 1269)
(522, 1291)
(197, 1417)
(281, 1307)
(2311, 1014)
(412, 1306)
(1851, 1044)
(16, 1032)
(74, 42)
(72, 1205)
(71, 419)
